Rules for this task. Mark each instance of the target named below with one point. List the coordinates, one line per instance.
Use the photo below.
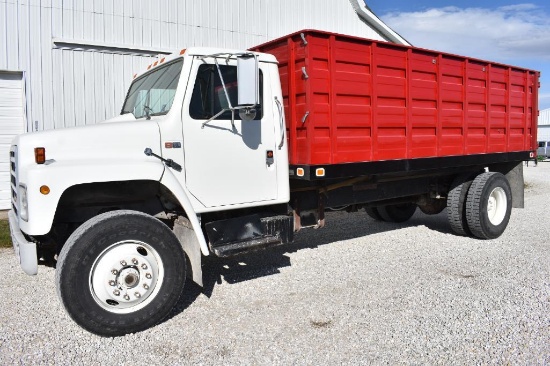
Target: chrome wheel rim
(126, 276)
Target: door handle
(281, 122)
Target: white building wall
(544, 117)
(79, 56)
(333, 15)
(543, 133)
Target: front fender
(172, 183)
(59, 176)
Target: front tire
(489, 205)
(120, 272)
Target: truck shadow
(340, 226)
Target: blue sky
(510, 32)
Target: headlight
(23, 202)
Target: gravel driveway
(357, 291)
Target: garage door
(12, 123)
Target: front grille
(13, 171)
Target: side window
(209, 97)
(541, 143)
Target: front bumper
(24, 250)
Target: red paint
(369, 100)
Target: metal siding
(544, 117)
(35, 71)
(58, 99)
(3, 36)
(46, 68)
(376, 101)
(543, 133)
(335, 16)
(11, 36)
(65, 71)
(83, 85)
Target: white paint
(544, 117)
(225, 163)
(222, 168)
(12, 123)
(99, 153)
(543, 133)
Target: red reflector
(168, 145)
(39, 155)
(156, 63)
(162, 60)
(182, 51)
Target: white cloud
(518, 7)
(511, 32)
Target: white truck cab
(200, 133)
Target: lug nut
(114, 271)
(111, 282)
(122, 263)
(116, 292)
(144, 266)
(146, 286)
(126, 297)
(148, 276)
(134, 261)
(137, 294)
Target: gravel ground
(358, 291)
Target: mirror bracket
(247, 81)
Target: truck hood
(127, 117)
(116, 141)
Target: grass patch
(5, 238)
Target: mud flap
(517, 184)
(514, 173)
(190, 244)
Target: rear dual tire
(392, 213)
(456, 204)
(480, 207)
(373, 213)
(489, 205)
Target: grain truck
(221, 152)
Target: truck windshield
(153, 93)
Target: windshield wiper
(158, 113)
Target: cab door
(226, 162)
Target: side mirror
(248, 80)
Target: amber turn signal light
(44, 190)
(40, 155)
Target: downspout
(372, 20)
